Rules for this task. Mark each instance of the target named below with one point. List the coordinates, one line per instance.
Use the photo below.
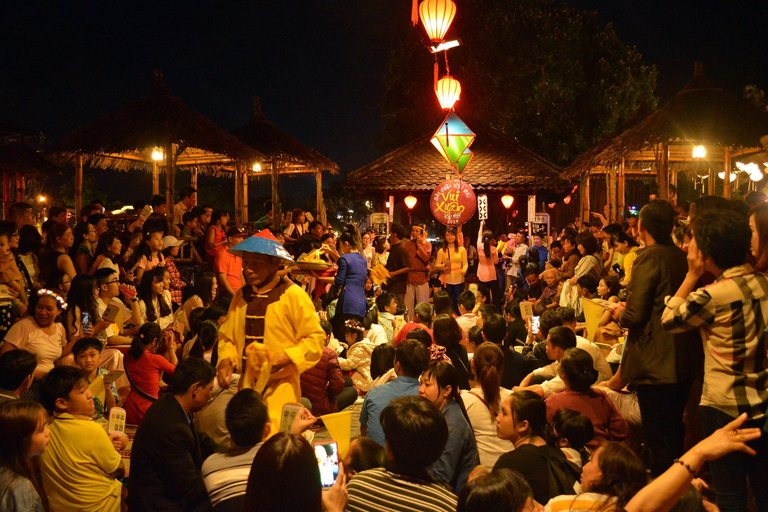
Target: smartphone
(116, 420)
(327, 454)
(619, 271)
(290, 411)
(85, 320)
(535, 324)
(111, 313)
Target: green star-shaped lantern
(452, 140)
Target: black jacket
(166, 457)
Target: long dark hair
(622, 237)
(30, 240)
(588, 241)
(81, 296)
(57, 232)
(487, 242)
(503, 490)
(760, 212)
(623, 474)
(104, 243)
(80, 232)
(145, 294)
(443, 303)
(204, 287)
(284, 477)
(489, 367)
(382, 360)
(530, 407)
(445, 374)
(351, 235)
(19, 421)
(207, 336)
(455, 239)
(578, 369)
(614, 287)
(148, 333)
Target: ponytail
(487, 236)
(148, 333)
(489, 364)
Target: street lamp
(437, 16)
(410, 203)
(699, 152)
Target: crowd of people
(555, 372)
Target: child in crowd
(573, 431)
(171, 247)
(207, 335)
(467, 318)
(87, 352)
(474, 338)
(10, 276)
(387, 306)
(358, 355)
(150, 253)
(82, 465)
(24, 436)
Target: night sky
(318, 65)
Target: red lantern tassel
(415, 13)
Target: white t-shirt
(377, 335)
(25, 334)
(114, 329)
(163, 321)
(489, 446)
(556, 384)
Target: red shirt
(231, 265)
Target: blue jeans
(730, 473)
(455, 290)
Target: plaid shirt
(731, 315)
(176, 283)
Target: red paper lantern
(453, 202)
(551, 205)
(567, 200)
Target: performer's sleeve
(310, 337)
(227, 345)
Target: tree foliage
(554, 78)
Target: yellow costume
(277, 320)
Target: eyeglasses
(112, 282)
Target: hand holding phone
(327, 454)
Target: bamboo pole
(727, 175)
(155, 178)
(238, 195)
(6, 195)
(278, 214)
(245, 195)
(169, 179)
(711, 183)
(321, 213)
(78, 182)
(19, 187)
(585, 211)
(193, 180)
(662, 172)
(622, 200)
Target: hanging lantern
(551, 205)
(452, 139)
(699, 152)
(448, 91)
(507, 201)
(464, 159)
(436, 16)
(410, 201)
(567, 200)
(157, 154)
(453, 202)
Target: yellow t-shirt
(455, 264)
(629, 262)
(77, 467)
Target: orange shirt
(230, 265)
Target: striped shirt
(226, 475)
(380, 490)
(731, 315)
(585, 502)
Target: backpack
(563, 474)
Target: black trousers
(661, 408)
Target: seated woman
(358, 355)
(144, 368)
(501, 490)
(57, 262)
(204, 293)
(40, 334)
(628, 247)
(439, 385)
(483, 402)
(447, 333)
(523, 420)
(578, 374)
(155, 300)
(609, 480)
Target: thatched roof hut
(699, 115)
(125, 139)
(284, 154)
(25, 161)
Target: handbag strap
(136, 388)
(481, 399)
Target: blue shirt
(460, 454)
(378, 398)
(353, 269)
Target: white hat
(171, 241)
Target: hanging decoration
(448, 90)
(453, 139)
(437, 16)
(453, 202)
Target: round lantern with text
(453, 202)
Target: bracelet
(686, 466)
(134, 300)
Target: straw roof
(499, 164)
(25, 160)
(279, 146)
(700, 114)
(124, 138)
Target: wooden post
(155, 178)
(193, 180)
(78, 182)
(711, 183)
(662, 172)
(169, 179)
(245, 195)
(6, 194)
(622, 200)
(19, 187)
(278, 214)
(238, 194)
(727, 175)
(322, 215)
(612, 184)
(585, 211)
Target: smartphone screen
(535, 324)
(85, 319)
(327, 453)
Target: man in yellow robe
(272, 334)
